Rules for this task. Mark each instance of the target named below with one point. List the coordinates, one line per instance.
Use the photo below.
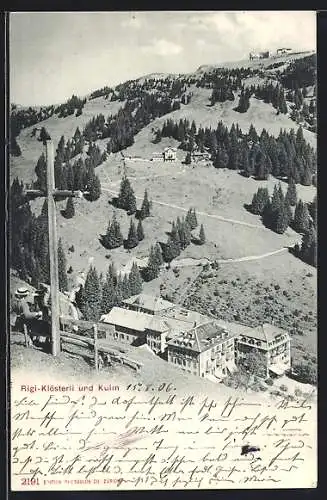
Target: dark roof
(201, 337)
(265, 332)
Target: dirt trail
(219, 217)
(189, 261)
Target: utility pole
(51, 194)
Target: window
(122, 336)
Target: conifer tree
(184, 233)
(272, 209)
(202, 237)
(41, 173)
(301, 219)
(119, 292)
(262, 171)
(308, 251)
(313, 211)
(191, 219)
(70, 209)
(288, 211)
(188, 159)
(247, 165)
(125, 290)
(70, 177)
(126, 198)
(132, 239)
(173, 245)
(291, 192)
(145, 208)
(158, 255)
(113, 237)
(62, 267)
(140, 231)
(259, 201)
(282, 219)
(108, 293)
(92, 296)
(93, 185)
(135, 280)
(306, 177)
(131, 205)
(44, 135)
(152, 270)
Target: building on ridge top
(148, 304)
(196, 343)
(168, 154)
(207, 350)
(269, 340)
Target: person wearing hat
(22, 308)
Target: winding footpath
(185, 262)
(177, 207)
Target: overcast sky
(53, 55)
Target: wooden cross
(52, 193)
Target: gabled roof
(134, 320)
(202, 337)
(149, 302)
(265, 332)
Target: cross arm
(57, 193)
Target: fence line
(95, 338)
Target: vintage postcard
(163, 226)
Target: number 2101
(26, 481)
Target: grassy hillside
(251, 289)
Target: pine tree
(70, 209)
(140, 231)
(158, 255)
(132, 239)
(272, 209)
(108, 293)
(288, 211)
(306, 177)
(262, 172)
(202, 237)
(132, 207)
(126, 197)
(188, 159)
(313, 211)
(41, 173)
(152, 270)
(301, 219)
(184, 233)
(119, 292)
(308, 251)
(282, 220)
(247, 165)
(191, 219)
(62, 267)
(44, 135)
(291, 192)
(135, 280)
(125, 289)
(173, 245)
(145, 208)
(113, 237)
(93, 185)
(92, 296)
(70, 177)
(259, 201)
